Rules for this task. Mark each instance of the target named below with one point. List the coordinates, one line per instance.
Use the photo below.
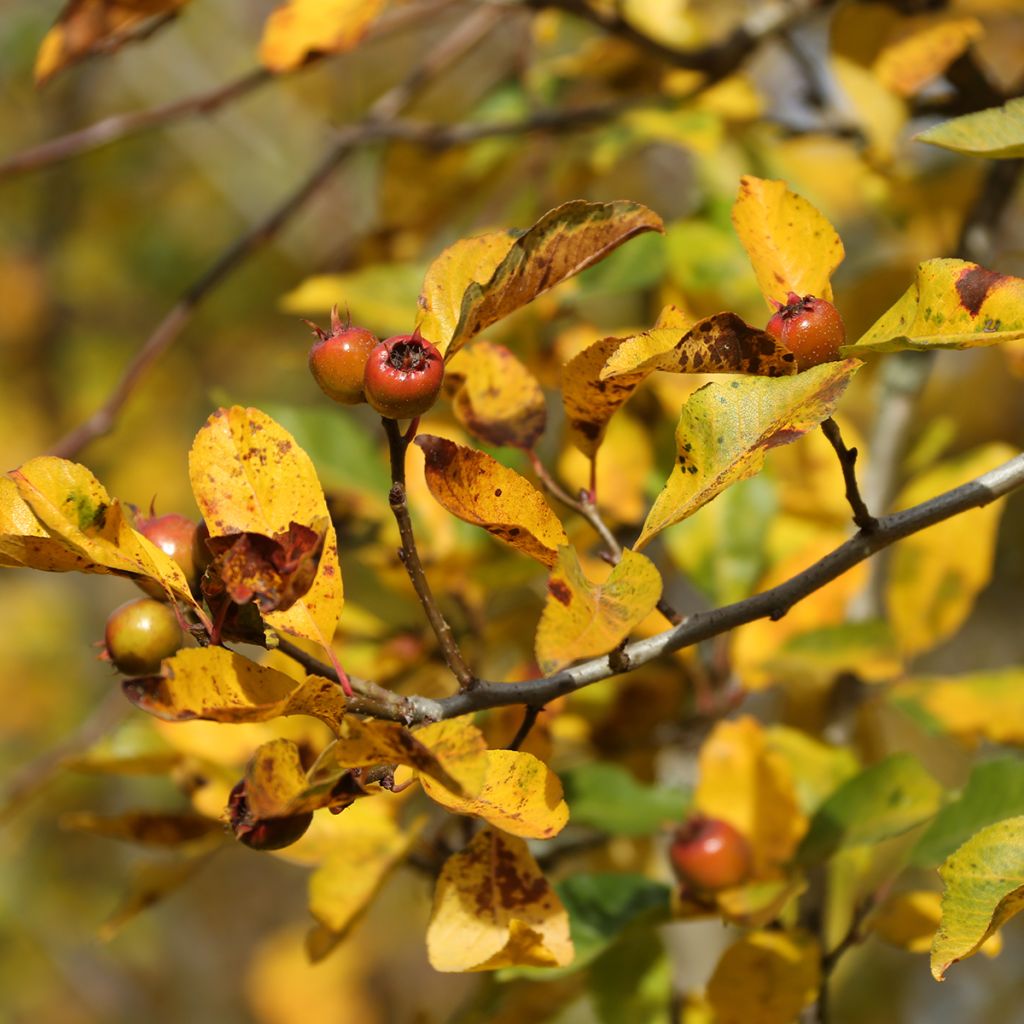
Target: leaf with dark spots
(973, 286)
(149, 828)
(559, 591)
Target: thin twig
(385, 108)
(862, 518)
(398, 444)
(316, 667)
(528, 722)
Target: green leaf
(885, 800)
(609, 798)
(997, 133)
(632, 982)
(641, 265)
(994, 791)
(984, 888)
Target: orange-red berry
(403, 376)
(338, 360)
(811, 328)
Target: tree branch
(862, 518)
(398, 443)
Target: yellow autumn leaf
(724, 431)
(722, 343)
(583, 619)
(996, 133)
(495, 397)
(274, 779)
(480, 490)
(362, 744)
(935, 576)
(301, 28)
(791, 246)
(974, 706)
(910, 919)
(223, 686)
(589, 401)
(563, 242)
(85, 27)
(461, 749)
(984, 888)
(249, 474)
(468, 261)
(520, 795)
(920, 49)
(766, 978)
(494, 908)
(72, 509)
(368, 846)
(149, 828)
(746, 782)
(952, 304)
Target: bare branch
(862, 518)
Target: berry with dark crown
(811, 328)
(404, 376)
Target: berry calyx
(175, 535)
(708, 854)
(140, 634)
(338, 360)
(403, 376)
(811, 328)
(265, 833)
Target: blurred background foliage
(93, 251)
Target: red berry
(403, 376)
(175, 535)
(266, 833)
(140, 634)
(810, 328)
(709, 854)
(338, 360)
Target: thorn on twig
(862, 518)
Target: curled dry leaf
(480, 490)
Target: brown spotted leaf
(723, 343)
(590, 402)
(495, 397)
(480, 490)
(149, 828)
(952, 304)
(273, 571)
(791, 246)
(563, 242)
(725, 430)
(274, 779)
(87, 27)
(219, 685)
(250, 476)
(520, 794)
(494, 908)
(583, 619)
(58, 517)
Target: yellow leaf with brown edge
(480, 490)
(918, 50)
(725, 430)
(583, 619)
(791, 246)
(935, 576)
(468, 261)
(951, 304)
(369, 846)
(494, 908)
(86, 27)
(520, 795)
(495, 397)
(984, 888)
(72, 509)
(745, 782)
(223, 686)
(722, 343)
(249, 474)
(301, 28)
(566, 240)
(365, 743)
(767, 977)
(589, 401)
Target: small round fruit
(810, 328)
(140, 634)
(175, 535)
(265, 834)
(708, 854)
(338, 360)
(403, 376)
